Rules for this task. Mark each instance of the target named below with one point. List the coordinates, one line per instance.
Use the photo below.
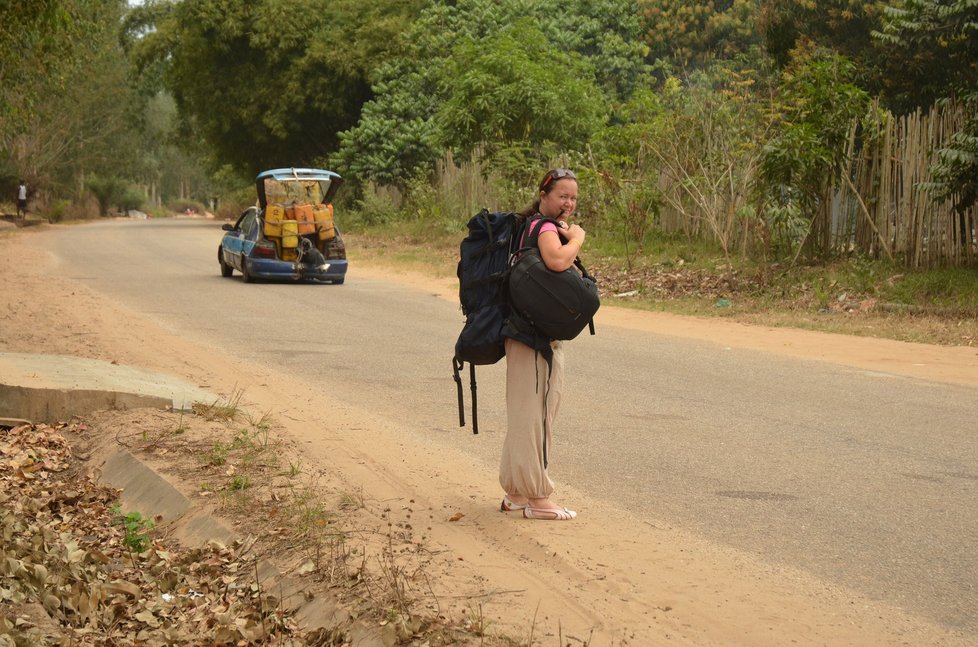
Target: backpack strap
(530, 235)
(457, 365)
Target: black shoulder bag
(558, 304)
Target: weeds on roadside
(263, 427)
(136, 528)
(182, 426)
(477, 622)
(226, 411)
(239, 482)
(307, 512)
(351, 500)
(295, 469)
(394, 576)
(240, 467)
(218, 454)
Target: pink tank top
(547, 226)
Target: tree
(472, 70)
(843, 26)
(935, 46)
(517, 87)
(39, 41)
(272, 82)
(694, 33)
(71, 115)
(108, 190)
(816, 109)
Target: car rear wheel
(226, 270)
(338, 281)
(248, 278)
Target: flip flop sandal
(548, 514)
(509, 506)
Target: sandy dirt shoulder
(606, 577)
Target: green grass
(950, 288)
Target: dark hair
(546, 186)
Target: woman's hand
(559, 256)
(571, 232)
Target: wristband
(574, 240)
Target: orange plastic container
(303, 214)
(323, 215)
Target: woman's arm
(558, 256)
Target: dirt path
(604, 578)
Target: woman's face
(561, 201)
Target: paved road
(865, 479)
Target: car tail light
(264, 249)
(336, 249)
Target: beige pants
(531, 405)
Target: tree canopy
(270, 82)
(382, 90)
(64, 99)
(936, 46)
(479, 73)
(695, 33)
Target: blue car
(290, 234)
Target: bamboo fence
(881, 206)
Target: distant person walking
(22, 200)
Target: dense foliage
(63, 93)
(697, 33)
(477, 73)
(736, 122)
(270, 83)
(936, 45)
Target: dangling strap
(475, 414)
(457, 365)
(548, 357)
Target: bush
(376, 207)
(132, 199)
(84, 208)
(58, 210)
(232, 203)
(107, 190)
(183, 205)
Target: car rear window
(301, 191)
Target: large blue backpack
(483, 272)
(493, 288)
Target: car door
(239, 242)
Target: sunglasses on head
(554, 175)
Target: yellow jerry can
(274, 215)
(290, 235)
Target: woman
(535, 365)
